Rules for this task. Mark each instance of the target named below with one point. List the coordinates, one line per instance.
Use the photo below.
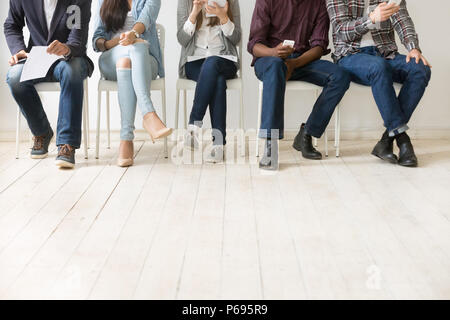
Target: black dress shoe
(385, 149)
(303, 143)
(407, 156)
(270, 158)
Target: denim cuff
(398, 131)
(127, 136)
(313, 133)
(267, 134)
(74, 144)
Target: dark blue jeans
(272, 72)
(70, 74)
(370, 69)
(211, 75)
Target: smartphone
(397, 2)
(289, 43)
(220, 3)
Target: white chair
(301, 86)
(184, 85)
(55, 87)
(111, 86)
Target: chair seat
(51, 86)
(106, 85)
(48, 87)
(397, 86)
(186, 84)
(301, 86)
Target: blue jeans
(211, 75)
(370, 69)
(70, 74)
(272, 72)
(133, 84)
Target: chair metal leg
(86, 92)
(338, 132)
(97, 142)
(85, 131)
(260, 98)
(108, 119)
(177, 110)
(18, 133)
(241, 121)
(336, 120)
(163, 100)
(185, 109)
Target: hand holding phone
(384, 11)
(396, 2)
(289, 43)
(213, 3)
(283, 50)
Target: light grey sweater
(188, 42)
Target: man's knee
(420, 71)
(123, 63)
(275, 63)
(341, 78)
(13, 77)
(73, 70)
(273, 67)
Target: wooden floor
(349, 227)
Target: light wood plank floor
(350, 227)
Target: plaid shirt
(350, 22)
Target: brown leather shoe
(66, 156)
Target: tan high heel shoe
(155, 127)
(126, 154)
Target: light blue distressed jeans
(133, 84)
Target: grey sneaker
(40, 146)
(66, 157)
(270, 159)
(191, 139)
(216, 155)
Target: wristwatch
(136, 34)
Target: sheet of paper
(195, 58)
(38, 64)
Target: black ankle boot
(407, 156)
(303, 143)
(270, 158)
(385, 149)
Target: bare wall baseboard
(360, 134)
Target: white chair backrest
(162, 38)
(240, 58)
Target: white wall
(360, 113)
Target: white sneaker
(216, 155)
(191, 139)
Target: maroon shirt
(304, 21)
